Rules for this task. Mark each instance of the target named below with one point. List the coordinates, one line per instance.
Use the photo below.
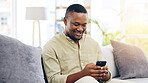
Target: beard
(76, 35)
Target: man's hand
(104, 74)
(99, 73)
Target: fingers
(90, 66)
(102, 68)
(103, 77)
(105, 68)
(95, 71)
(98, 72)
(99, 76)
(93, 66)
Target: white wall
(106, 13)
(25, 27)
(99, 11)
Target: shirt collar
(70, 40)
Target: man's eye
(84, 25)
(76, 24)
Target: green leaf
(108, 36)
(117, 33)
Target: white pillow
(108, 56)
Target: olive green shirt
(62, 56)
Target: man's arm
(87, 71)
(51, 66)
(97, 72)
(52, 70)
(74, 77)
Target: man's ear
(65, 21)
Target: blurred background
(121, 20)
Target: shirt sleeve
(51, 66)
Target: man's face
(75, 25)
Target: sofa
(21, 63)
(127, 63)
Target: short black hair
(75, 8)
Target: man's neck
(76, 41)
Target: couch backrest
(108, 56)
(19, 63)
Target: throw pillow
(19, 63)
(130, 60)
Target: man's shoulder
(54, 39)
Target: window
(7, 21)
(128, 16)
(136, 23)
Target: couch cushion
(108, 56)
(135, 80)
(19, 63)
(116, 80)
(130, 60)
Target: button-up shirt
(62, 56)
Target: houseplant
(108, 36)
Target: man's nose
(80, 28)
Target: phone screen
(101, 63)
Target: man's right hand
(91, 69)
(96, 72)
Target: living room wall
(127, 16)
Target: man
(71, 56)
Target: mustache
(80, 32)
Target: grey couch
(20, 63)
(127, 63)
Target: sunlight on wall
(128, 16)
(106, 12)
(136, 16)
(136, 23)
(136, 27)
(140, 42)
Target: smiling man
(75, 25)
(70, 57)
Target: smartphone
(101, 63)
